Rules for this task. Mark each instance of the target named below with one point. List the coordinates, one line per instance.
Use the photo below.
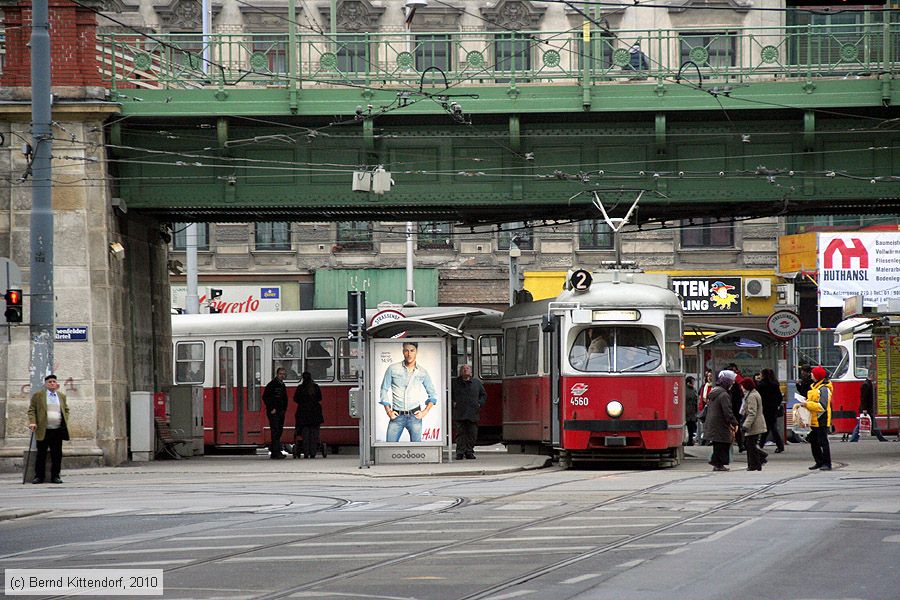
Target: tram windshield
(615, 350)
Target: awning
(445, 322)
(739, 336)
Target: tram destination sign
(709, 295)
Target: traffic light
(214, 293)
(13, 306)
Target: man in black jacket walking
(468, 398)
(275, 398)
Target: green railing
(175, 61)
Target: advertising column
(408, 399)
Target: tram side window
(226, 378)
(286, 354)
(320, 359)
(521, 349)
(534, 336)
(491, 349)
(673, 344)
(509, 367)
(189, 362)
(254, 378)
(864, 357)
(347, 353)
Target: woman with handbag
(773, 408)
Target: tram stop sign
(784, 324)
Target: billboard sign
(234, 298)
(852, 263)
(709, 295)
(408, 377)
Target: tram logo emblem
(579, 389)
(722, 296)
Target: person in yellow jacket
(818, 403)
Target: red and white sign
(784, 324)
(865, 263)
(234, 298)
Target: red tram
(234, 355)
(597, 373)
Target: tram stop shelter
(437, 345)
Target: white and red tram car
(597, 374)
(853, 336)
(234, 355)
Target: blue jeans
(408, 422)
(854, 437)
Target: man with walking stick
(48, 416)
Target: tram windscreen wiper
(639, 365)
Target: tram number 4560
(579, 401)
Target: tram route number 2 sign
(784, 324)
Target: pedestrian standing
(708, 384)
(773, 408)
(48, 418)
(818, 403)
(275, 399)
(308, 418)
(468, 397)
(753, 424)
(690, 409)
(737, 399)
(720, 423)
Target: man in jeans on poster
(402, 381)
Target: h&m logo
(856, 250)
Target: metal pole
(191, 301)
(207, 27)
(42, 198)
(410, 287)
(514, 254)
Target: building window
(273, 236)
(701, 233)
(719, 47)
(435, 235)
(274, 48)
(512, 53)
(595, 235)
(355, 235)
(179, 236)
(353, 54)
(433, 51)
(519, 230)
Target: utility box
(186, 417)
(143, 432)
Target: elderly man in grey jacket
(468, 398)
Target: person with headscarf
(721, 423)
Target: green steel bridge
(489, 127)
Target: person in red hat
(818, 403)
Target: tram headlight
(614, 409)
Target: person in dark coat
(737, 399)
(275, 399)
(690, 409)
(804, 381)
(308, 417)
(468, 397)
(772, 398)
(867, 405)
(720, 422)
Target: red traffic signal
(13, 312)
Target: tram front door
(240, 417)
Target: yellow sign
(797, 252)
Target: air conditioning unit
(757, 287)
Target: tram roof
(324, 320)
(605, 294)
